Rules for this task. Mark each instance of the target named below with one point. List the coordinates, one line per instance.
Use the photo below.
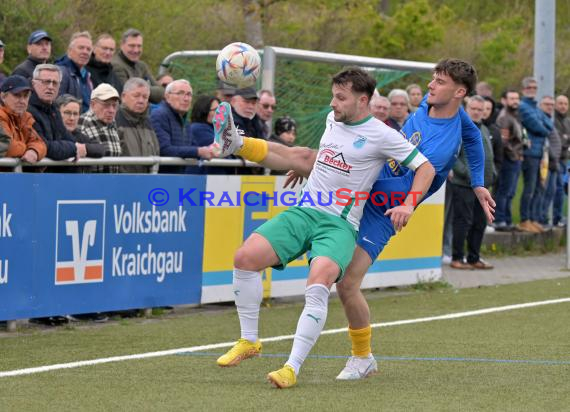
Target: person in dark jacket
(169, 122)
(202, 133)
(469, 220)
(562, 124)
(512, 138)
(135, 131)
(244, 104)
(76, 79)
(285, 131)
(100, 65)
(39, 51)
(201, 127)
(548, 191)
(399, 108)
(48, 123)
(489, 120)
(538, 127)
(70, 109)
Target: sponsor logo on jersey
(334, 160)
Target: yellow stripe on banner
(422, 236)
(223, 235)
(261, 184)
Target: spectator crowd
(101, 99)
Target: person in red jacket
(17, 123)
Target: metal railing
(154, 162)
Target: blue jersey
(440, 140)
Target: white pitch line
(78, 364)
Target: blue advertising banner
(92, 243)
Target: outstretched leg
(252, 257)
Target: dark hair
(362, 82)
(460, 71)
(493, 103)
(507, 91)
(201, 108)
(284, 124)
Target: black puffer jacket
(49, 125)
(103, 73)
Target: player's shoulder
(374, 127)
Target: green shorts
(300, 229)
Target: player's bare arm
(400, 215)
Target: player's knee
(245, 259)
(342, 292)
(347, 289)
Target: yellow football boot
(283, 378)
(243, 349)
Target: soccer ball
(238, 64)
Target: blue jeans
(548, 198)
(530, 199)
(558, 204)
(506, 189)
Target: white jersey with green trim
(348, 162)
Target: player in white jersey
(352, 150)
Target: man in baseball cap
(39, 52)
(17, 123)
(244, 107)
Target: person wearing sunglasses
(265, 108)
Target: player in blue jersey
(437, 128)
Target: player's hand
(292, 179)
(399, 216)
(487, 203)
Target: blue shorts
(376, 229)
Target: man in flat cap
(98, 123)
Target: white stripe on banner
(78, 364)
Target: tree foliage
(496, 36)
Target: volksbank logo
(80, 241)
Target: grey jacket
(125, 69)
(137, 137)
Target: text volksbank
(146, 259)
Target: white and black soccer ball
(239, 65)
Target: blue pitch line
(400, 358)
